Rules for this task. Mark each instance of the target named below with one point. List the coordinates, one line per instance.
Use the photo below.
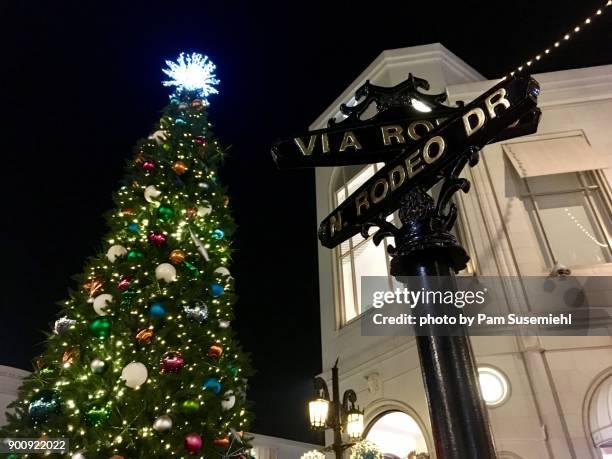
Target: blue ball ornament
(212, 384)
(44, 404)
(216, 290)
(133, 227)
(157, 310)
(180, 122)
(218, 234)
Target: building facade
(539, 205)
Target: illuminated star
(192, 73)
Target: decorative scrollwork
(401, 96)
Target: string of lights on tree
(566, 37)
(142, 361)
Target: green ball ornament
(97, 415)
(232, 370)
(166, 147)
(190, 406)
(134, 255)
(195, 272)
(165, 213)
(100, 327)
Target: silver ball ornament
(62, 325)
(97, 366)
(162, 423)
(204, 185)
(78, 455)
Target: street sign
(403, 116)
(509, 104)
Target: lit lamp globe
(354, 424)
(318, 410)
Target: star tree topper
(193, 73)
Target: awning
(553, 156)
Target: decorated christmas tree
(142, 362)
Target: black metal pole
(458, 414)
(337, 446)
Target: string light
(583, 229)
(566, 37)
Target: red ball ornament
(200, 140)
(157, 238)
(215, 351)
(127, 212)
(124, 283)
(148, 165)
(172, 362)
(193, 443)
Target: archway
(600, 417)
(397, 434)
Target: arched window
(600, 418)
(357, 256)
(397, 434)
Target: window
(357, 256)
(571, 217)
(494, 386)
(397, 434)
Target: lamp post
(333, 413)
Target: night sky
(80, 83)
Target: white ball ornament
(101, 302)
(204, 210)
(78, 455)
(134, 374)
(165, 272)
(162, 423)
(116, 251)
(224, 323)
(229, 400)
(151, 193)
(223, 271)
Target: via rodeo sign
(419, 139)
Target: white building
(534, 200)
(10, 380)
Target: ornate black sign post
(422, 142)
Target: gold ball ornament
(139, 158)
(70, 355)
(215, 351)
(226, 201)
(177, 256)
(179, 167)
(93, 286)
(144, 336)
(197, 103)
(191, 212)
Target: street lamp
(340, 416)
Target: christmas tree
(142, 362)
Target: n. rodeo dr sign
(423, 161)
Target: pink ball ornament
(193, 443)
(200, 140)
(149, 165)
(172, 362)
(124, 283)
(157, 238)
